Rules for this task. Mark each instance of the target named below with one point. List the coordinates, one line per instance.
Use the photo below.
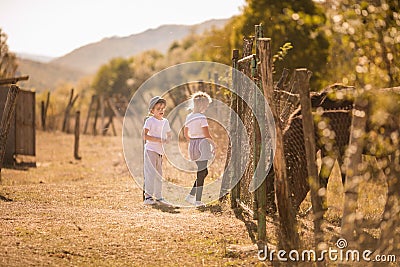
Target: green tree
(212, 45)
(8, 60)
(143, 66)
(365, 42)
(288, 21)
(124, 76)
(187, 49)
(113, 78)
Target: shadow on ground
(166, 208)
(5, 199)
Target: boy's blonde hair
(199, 101)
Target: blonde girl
(201, 145)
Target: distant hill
(90, 57)
(44, 76)
(83, 61)
(33, 57)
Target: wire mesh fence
(338, 138)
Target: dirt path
(89, 213)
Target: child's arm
(186, 133)
(206, 132)
(148, 137)
(169, 137)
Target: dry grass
(89, 213)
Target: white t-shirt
(195, 123)
(157, 128)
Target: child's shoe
(199, 204)
(163, 201)
(190, 199)
(149, 201)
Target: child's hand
(214, 147)
(168, 139)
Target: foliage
(357, 45)
(58, 101)
(365, 39)
(8, 61)
(283, 51)
(296, 22)
(112, 78)
(124, 76)
(143, 66)
(187, 49)
(215, 45)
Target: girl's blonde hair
(199, 101)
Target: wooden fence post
(391, 215)
(289, 237)
(42, 115)
(215, 86)
(102, 113)
(188, 89)
(110, 122)
(302, 78)
(77, 132)
(96, 116)
(71, 102)
(235, 192)
(260, 196)
(92, 101)
(13, 80)
(353, 171)
(5, 122)
(44, 108)
(201, 86)
(115, 110)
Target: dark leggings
(202, 173)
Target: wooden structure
(71, 102)
(309, 122)
(366, 135)
(17, 126)
(77, 133)
(278, 183)
(44, 106)
(21, 139)
(101, 107)
(258, 67)
(289, 237)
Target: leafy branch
(283, 51)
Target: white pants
(152, 174)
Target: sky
(56, 27)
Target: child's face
(158, 110)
